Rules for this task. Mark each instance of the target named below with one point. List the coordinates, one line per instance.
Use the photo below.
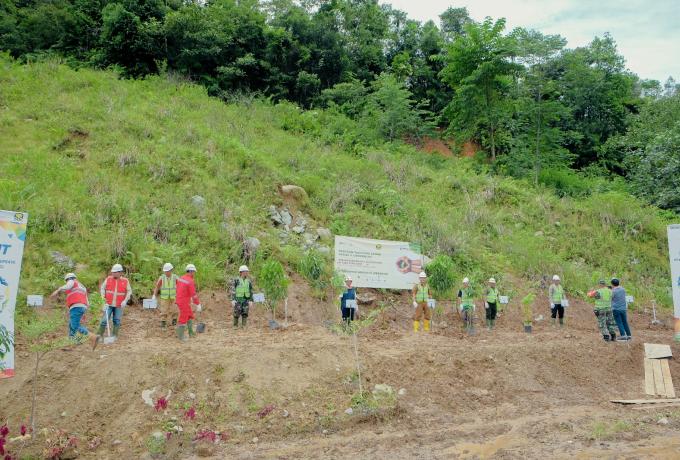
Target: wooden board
(646, 401)
(657, 351)
(667, 379)
(649, 378)
(659, 387)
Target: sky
(647, 32)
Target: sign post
(674, 253)
(12, 238)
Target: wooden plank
(646, 401)
(649, 378)
(667, 379)
(658, 378)
(657, 351)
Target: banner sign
(12, 238)
(378, 263)
(674, 252)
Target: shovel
(109, 339)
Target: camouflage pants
(241, 308)
(605, 321)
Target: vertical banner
(378, 263)
(12, 238)
(674, 253)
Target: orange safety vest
(77, 294)
(115, 291)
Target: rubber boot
(426, 325)
(606, 338)
(115, 331)
(488, 324)
(235, 322)
(416, 326)
(554, 322)
(190, 327)
(180, 333)
(100, 331)
(244, 321)
(612, 337)
(561, 322)
(174, 321)
(493, 323)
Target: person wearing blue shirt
(619, 309)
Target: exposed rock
(286, 217)
(324, 233)
(366, 299)
(298, 229)
(309, 239)
(275, 216)
(250, 247)
(349, 411)
(663, 421)
(62, 259)
(323, 249)
(294, 192)
(401, 392)
(198, 201)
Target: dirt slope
(501, 394)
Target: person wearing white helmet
(491, 303)
(185, 296)
(348, 309)
(556, 296)
(242, 296)
(167, 285)
(466, 303)
(77, 304)
(420, 295)
(116, 292)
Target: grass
(607, 430)
(107, 168)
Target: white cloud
(647, 32)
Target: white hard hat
(422, 275)
(556, 278)
(348, 278)
(167, 267)
(117, 268)
(243, 268)
(492, 280)
(191, 268)
(466, 280)
(69, 276)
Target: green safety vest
(168, 286)
(242, 288)
(558, 293)
(605, 300)
(423, 293)
(467, 297)
(492, 295)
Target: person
(242, 296)
(77, 304)
(185, 296)
(603, 310)
(421, 294)
(491, 303)
(556, 295)
(116, 292)
(619, 310)
(349, 293)
(466, 303)
(167, 285)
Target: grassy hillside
(107, 169)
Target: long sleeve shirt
(619, 299)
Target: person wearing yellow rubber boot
(421, 293)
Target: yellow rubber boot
(426, 325)
(416, 326)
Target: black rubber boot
(606, 338)
(612, 337)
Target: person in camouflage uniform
(603, 311)
(466, 304)
(242, 296)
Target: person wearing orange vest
(186, 295)
(116, 291)
(77, 304)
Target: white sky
(647, 32)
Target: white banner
(12, 238)
(378, 263)
(674, 252)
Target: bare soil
(283, 393)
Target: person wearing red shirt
(186, 295)
(77, 304)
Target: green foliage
(314, 266)
(6, 342)
(273, 280)
(527, 311)
(441, 275)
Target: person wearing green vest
(556, 294)
(167, 285)
(466, 303)
(242, 296)
(421, 294)
(491, 303)
(603, 311)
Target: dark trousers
(491, 310)
(557, 310)
(621, 318)
(347, 314)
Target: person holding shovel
(186, 295)
(421, 294)
(242, 296)
(167, 285)
(466, 303)
(116, 292)
(77, 304)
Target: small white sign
(629, 299)
(504, 299)
(148, 304)
(351, 303)
(565, 302)
(431, 303)
(34, 300)
(258, 297)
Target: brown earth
(502, 394)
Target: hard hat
(117, 268)
(191, 268)
(348, 278)
(69, 276)
(243, 268)
(466, 280)
(422, 275)
(492, 280)
(556, 278)
(167, 267)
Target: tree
(453, 22)
(274, 282)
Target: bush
(274, 282)
(441, 275)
